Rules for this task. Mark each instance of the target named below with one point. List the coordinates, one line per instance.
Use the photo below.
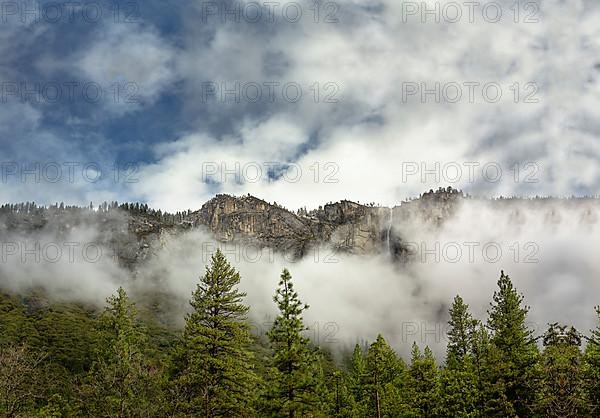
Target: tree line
(140, 209)
(65, 360)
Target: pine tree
(292, 386)
(334, 387)
(357, 379)
(341, 402)
(460, 334)
(513, 353)
(459, 378)
(384, 379)
(561, 393)
(121, 382)
(592, 366)
(215, 376)
(423, 384)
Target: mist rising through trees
(65, 359)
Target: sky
(308, 102)
(301, 103)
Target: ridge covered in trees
(65, 360)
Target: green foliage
(459, 380)
(121, 381)
(64, 360)
(340, 402)
(461, 327)
(68, 336)
(513, 354)
(56, 407)
(423, 384)
(293, 379)
(591, 367)
(383, 380)
(357, 380)
(20, 375)
(16, 326)
(561, 392)
(215, 377)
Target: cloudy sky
(297, 102)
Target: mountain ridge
(137, 232)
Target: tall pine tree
(384, 379)
(423, 383)
(459, 378)
(461, 327)
(513, 352)
(215, 377)
(293, 382)
(357, 380)
(121, 382)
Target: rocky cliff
(135, 232)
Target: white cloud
(372, 130)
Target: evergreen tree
(561, 393)
(334, 387)
(481, 348)
(460, 334)
(513, 353)
(423, 384)
(292, 387)
(592, 366)
(215, 377)
(384, 379)
(341, 401)
(120, 383)
(459, 378)
(357, 380)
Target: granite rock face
(135, 233)
(346, 226)
(249, 219)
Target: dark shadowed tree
(561, 392)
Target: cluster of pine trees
(32, 209)
(114, 365)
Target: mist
(547, 247)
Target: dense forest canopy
(65, 359)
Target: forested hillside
(67, 360)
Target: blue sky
(367, 125)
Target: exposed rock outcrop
(136, 232)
